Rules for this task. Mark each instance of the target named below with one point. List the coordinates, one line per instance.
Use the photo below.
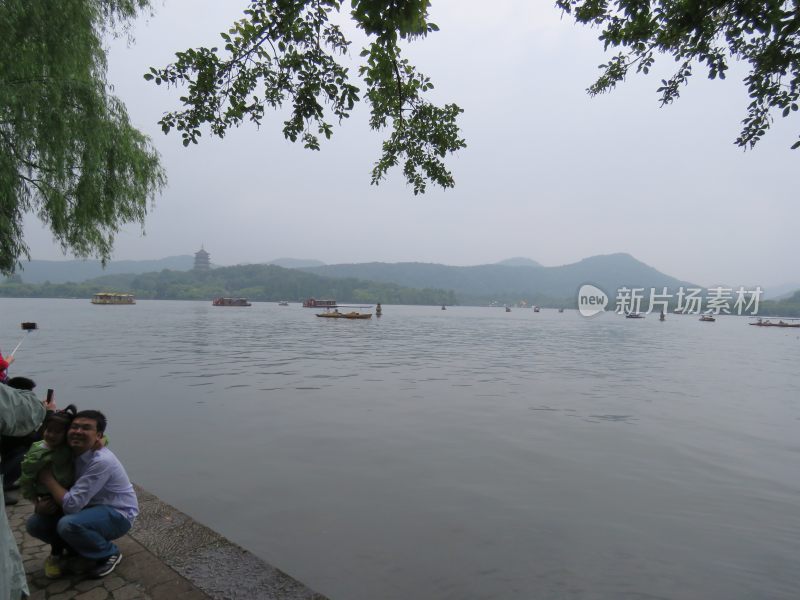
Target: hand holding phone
(49, 403)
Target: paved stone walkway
(167, 555)
(140, 575)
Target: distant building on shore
(202, 260)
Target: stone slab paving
(166, 556)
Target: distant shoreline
(767, 309)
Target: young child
(51, 451)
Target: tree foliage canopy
(290, 52)
(763, 33)
(68, 152)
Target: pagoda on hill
(202, 260)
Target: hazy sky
(549, 173)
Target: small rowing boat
(340, 315)
(781, 323)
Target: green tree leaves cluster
(763, 33)
(289, 52)
(68, 152)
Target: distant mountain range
(76, 271)
(267, 283)
(786, 307)
(508, 281)
(519, 261)
(296, 263)
(537, 284)
(781, 292)
(62, 271)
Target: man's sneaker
(52, 567)
(105, 566)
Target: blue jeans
(88, 532)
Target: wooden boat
(314, 303)
(634, 315)
(283, 303)
(781, 323)
(231, 302)
(335, 314)
(113, 298)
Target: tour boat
(314, 303)
(113, 298)
(231, 302)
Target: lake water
(462, 454)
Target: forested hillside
(257, 282)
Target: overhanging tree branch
(761, 33)
(304, 70)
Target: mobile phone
(49, 395)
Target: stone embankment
(166, 556)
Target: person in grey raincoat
(20, 413)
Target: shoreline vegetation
(261, 283)
(788, 307)
(272, 283)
